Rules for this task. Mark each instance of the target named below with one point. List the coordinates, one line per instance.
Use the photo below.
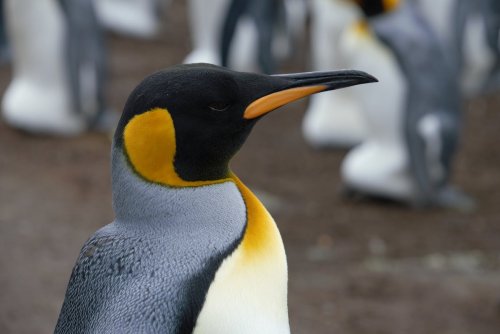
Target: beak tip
(348, 78)
(367, 78)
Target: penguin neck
(136, 200)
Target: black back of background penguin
(177, 220)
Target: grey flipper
(149, 271)
(265, 13)
(86, 60)
(432, 91)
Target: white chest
(249, 291)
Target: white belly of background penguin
(191, 250)
(59, 67)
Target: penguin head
(376, 7)
(182, 125)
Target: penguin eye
(219, 106)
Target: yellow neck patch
(149, 141)
(361, 28)
(262, 238)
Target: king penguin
(417, 134)
(58, 67)
(191, 249)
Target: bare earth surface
(355, 266)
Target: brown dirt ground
(355, 266)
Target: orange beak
(299, 85)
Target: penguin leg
(432, 162)
(425, 147)
(431, 129)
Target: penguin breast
(249, 290)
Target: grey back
(149, 270)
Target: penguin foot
(327, 127)
(5, 55)
(203, 56)
(64, 126)
(349, 193)
(322, 136)
(492, 83)
(455, 199)
(105, 122)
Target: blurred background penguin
(58, 67)
(416, 125)
(449, 52)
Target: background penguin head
(182, 125)
(376, 7)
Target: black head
(182, 125)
